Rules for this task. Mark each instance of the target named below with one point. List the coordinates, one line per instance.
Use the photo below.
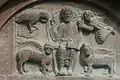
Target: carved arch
(6, 15)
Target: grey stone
(3, 77)
(15, 77)
(6, 48)
(51, 43)
(69, 35)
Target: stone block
(6, 48)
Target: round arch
(9, 13)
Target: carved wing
(54, 24)
(102, 34)
(55, 18)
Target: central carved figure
(68, 43)
(65, 34)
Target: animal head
(46, 66)
(44, 17)
(88, 15)
(20, 18)
(111, 30)
(48, 49)
(86, 49)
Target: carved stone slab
(64, 42)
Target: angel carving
(91, 23)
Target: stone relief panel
(65, 41)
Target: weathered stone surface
(37, 77)
(60, 42)
(6, 49)
(2, 77)
(15, 77)
(31, 35)
(118, 50)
